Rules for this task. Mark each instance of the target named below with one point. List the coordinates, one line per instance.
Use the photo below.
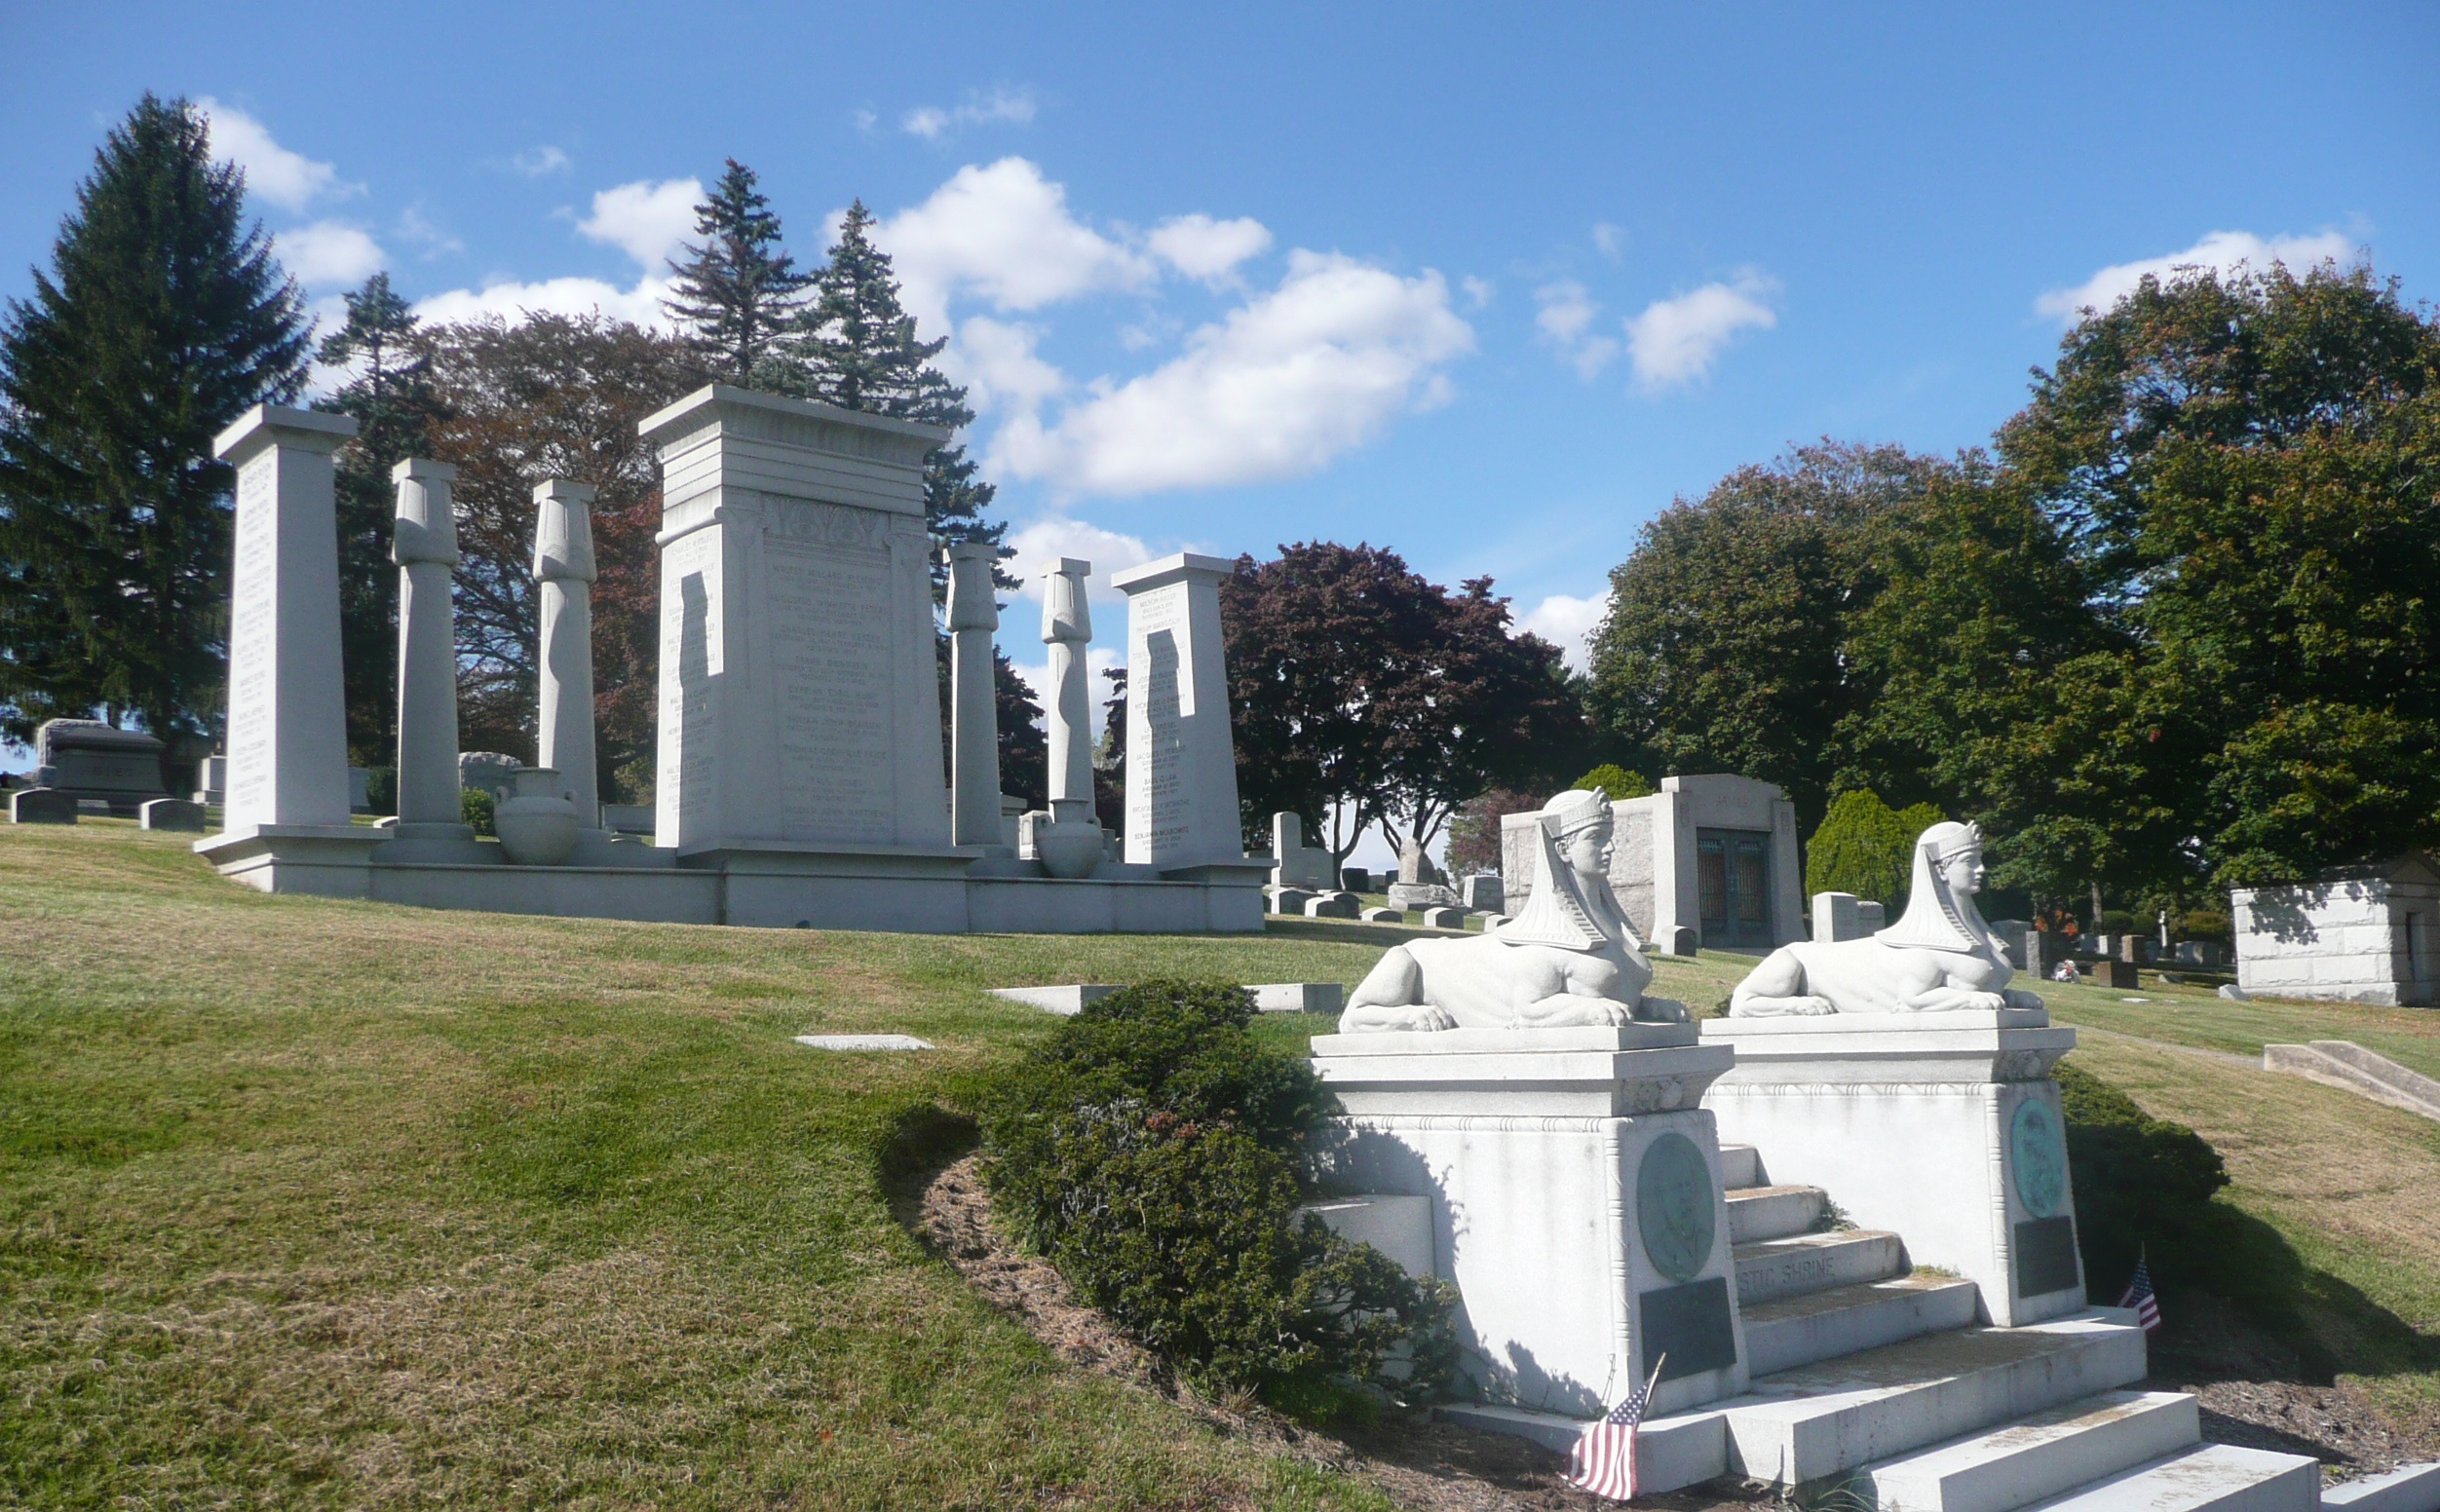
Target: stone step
(1816, 1326)
(1670, 1452)
(1802, 1263)
(2413, 1487)
(1773, 1212)
(1821, 1420)
(2052, 1452)
(1740, 1165)
(2208, 1478)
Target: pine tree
(737, 292)
(390, 395)
(164, 319)
(858, 351)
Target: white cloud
(2218, 251)
(1564, 313)
(1281, 386)
(329, 252)
(1478, 292)
(1201, 248)
(1567, 623)
(865, 120)
(996, 362)
(931, 123)
(535, 162)
(1002, 233)
(1040, 546)
(1675, 341)
(646, 220)
(289, 179)
(1609, 238)
(415, 226)
(513, 302)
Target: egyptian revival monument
(799, 775)
(1834, 1228)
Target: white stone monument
(423, 542)
(1067, 840)
(1181, 758)
(564, 571)
(1902, 1071)
(285, 826)
(974, 720)
(1294, 863)
(800, 701)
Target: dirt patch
(1419, 1463)
(2256, 1391)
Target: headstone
(1676, 939)
(173, 813)
(2011, 933)
(1298, 997)
(1331, 905)
(1835, 917)
(1181, 758)
(2234, 993)
(2127, 948)
(1415, 864)
(1288, 900)
(288, 705)
(360, 785)
(564, 572)
(1483, 892)
(2044, 950)
(424, 544)
(2121, 974)
(41, 805)
(1066, 1001)
(1871, 918)
(91, 759)
(1295, 864)
(489, 771)
(1355, 879)
(1384, 916)
(214, 781)
(1422, 894)
(1444, 917)
(800, 696)
(974, 718)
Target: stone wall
(2369, 935)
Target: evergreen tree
(738, 294)
(164, 319)
(390, 395)
(858, 350)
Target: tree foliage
(163, 318)
(1614, 781)
(1474, 829)
(738, 295)
(1866, 847)
(1364, 693)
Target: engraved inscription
(1161, 816)
(253, 641)
(830, 524)
(831, 626)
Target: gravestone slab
(1064, 1001)
(1181, 756)
(1294, 863)
(1871, 918)
(1288, 900)
(800, 700)
(41, 805)
(2011, 934)
(1422, 894)
(1384, 916)
(1355, 879)
(2118, 974)
(865, 1043)
(90, 759)
(1483, 892)
(1331, 905)
(1444, 919)
(1835, 917)
(175, 813)
(1298, 997)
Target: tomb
(85, 759)
(2360, 935)
(1706, 862)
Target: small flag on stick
(2139, 1296)
(1603, 1460)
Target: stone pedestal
(285, 826)
(1577, 1201)
(90, 759)
(563, 591)
(800, 698)
(1181, 759)
(1944, 1127)
(423, 542)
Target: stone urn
(536, 821)
(1067, 841)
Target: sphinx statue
(1570, 958)
(1939, 957)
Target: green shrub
(1867, 847)
(1615, 780)
(475, 807)
(2143, 1185)
(381, 789)
(1154, 1151)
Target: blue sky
(1487, 284)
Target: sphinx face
(1589, 850)
(1964, 873)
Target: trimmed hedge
(1153, 1153)
(2143, 1185)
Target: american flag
(2139, 1296)
(1603, 1460)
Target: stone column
(563, 575)
(285, 824)
(424, 544)
(974, 725)
(1181, 758)
(1067, 628)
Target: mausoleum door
(1733, 874)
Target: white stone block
(1804, 1263)
(2217, 1477)
(1065, 1001)
(1298, 997)
(1444, 919)
(1384, 916)
(1399, 1226)
(2052, 1450)
(1825, 1325)
(1181, 757)
(2413, 1487)
(865, 1043)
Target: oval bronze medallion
(1673, 1206)
(2038, 1158)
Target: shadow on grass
(2248, 1307)
(920, 1142)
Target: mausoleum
(2361, 934)
(1707, 862)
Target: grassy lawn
(306, 1203)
